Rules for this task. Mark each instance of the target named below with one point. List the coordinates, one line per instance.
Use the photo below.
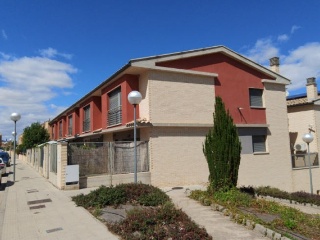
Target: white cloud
(26, 84)
(283, 38)
(294, 28)
(4, 35)
(297, 64)
(263, 50)
(301, 63)
(53, 53)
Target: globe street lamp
(135, 98)
(308, 138)
(14, 117)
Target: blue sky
(52, 52)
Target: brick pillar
(62, 162)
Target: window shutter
(256, 97)
(259, 143)
(115, 111)
(115, 99)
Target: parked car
(3, 167)
(6, 158)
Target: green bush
(101, 197)
(161, 222)
(155, 198)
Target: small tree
(222, 149)
(34, 135)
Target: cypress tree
(222, 149)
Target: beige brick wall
(176, 157)
(274, 168)
(180, 98)
(300, 117)
(144, 90)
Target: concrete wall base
(109, 180)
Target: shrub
(162, 222)
(222, 149)
(101, 197)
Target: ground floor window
(259, 143)
(253, 139)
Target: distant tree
(34, 135)
(222, 149)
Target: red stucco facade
(232, 84)
(98, 109)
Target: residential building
(304, 117)
(176, 112)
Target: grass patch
(286, 219)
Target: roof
(300, 99)
(149, 62)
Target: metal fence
(302, 160)
(53, 157)
(108, 157)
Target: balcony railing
(302, 160)
(115, 116)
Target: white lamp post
(308, 138)
(135, 98)
(14, 117)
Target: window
(70, 125)
(60, 129)
(115, 108)
(86, 118)
(256, 97)
(259, 143)
(53, 132)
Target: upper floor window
(256, 97)
(86, 118)
(259, 143)
(70, 125)
(115, 108)
(53, 129)
(60, 129)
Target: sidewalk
(35, 209)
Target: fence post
(62, 164)
(111, 159)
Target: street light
(308, 138)
(14, 117)
(135, 98)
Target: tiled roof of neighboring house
(297, 101)
(300, 99)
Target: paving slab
(35, 209)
